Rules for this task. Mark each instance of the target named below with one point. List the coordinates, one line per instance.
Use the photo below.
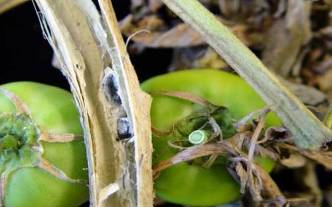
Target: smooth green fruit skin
(53, 110)
(191, 184)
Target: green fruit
(42, 152)
(190, 183)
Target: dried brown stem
(254, 138)
(189, 154)
(270, 187)
(93, 55)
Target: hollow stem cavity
(198, 137)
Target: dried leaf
(311, 181)
(210, 59)
(324, 65)
(251, 177)
(182, 35)
(294, 161)
(154, 5)
(163, 35)
(129, 25)
(286, 37)
(278, 133)
(196, 57)
(270, 189)
(261, 186)
(325, 81)
(228, 8)
(243, 9)
(322, 157)
(308, 95)
(328, 196)
(304, 188)
(243, 176)
(137, 3)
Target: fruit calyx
(18, 141)
(20, 144)
(16, 131)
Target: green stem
(308, 132)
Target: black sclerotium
(124, 127)
(111, 88)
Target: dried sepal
(20, 106)
(56, 172)
(60, 138)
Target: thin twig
(189, 154)
(254, 138)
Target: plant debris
(256, 184)
(293, 38)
